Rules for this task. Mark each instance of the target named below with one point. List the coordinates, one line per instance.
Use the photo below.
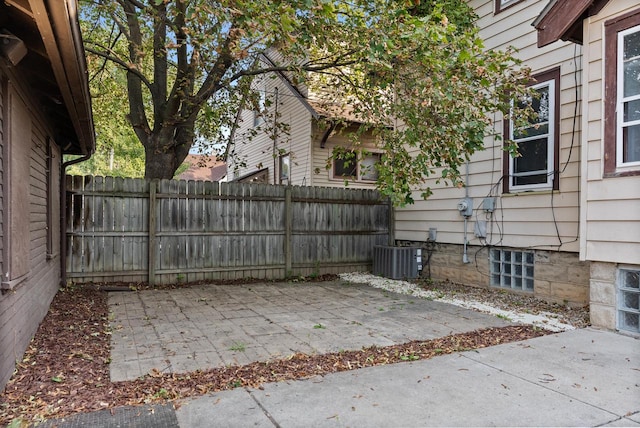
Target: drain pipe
(465, 256)
(63, 216)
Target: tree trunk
(159, 165)
(163, 157)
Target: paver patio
(209, 326)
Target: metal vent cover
(397, 262)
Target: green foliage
(238, 347)
(413, 73)
(118, 151)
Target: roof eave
(562, 20)
(60, 32)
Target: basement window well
(629, 300)
(511, 269)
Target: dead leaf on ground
(65, 348)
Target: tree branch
(126, 66)
(159, 92)
(137, 114)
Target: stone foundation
(603, 295)
(559, 277)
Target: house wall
(537, 220)
(26, 302)
(323, 176)
(610, 220)
(257, 151)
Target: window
(368, 171)
(285, 169)
(628, 132)
(258, 115)
(511, 269)
(622, 96)
(629, 300)
(537, 164)
(346, 167)
(17, 166)
(504, 4)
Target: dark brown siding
(24, 306)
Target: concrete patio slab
(209, 326)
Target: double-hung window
(628, 135)
(537, 162)
(622, 96)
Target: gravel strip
(524, 309)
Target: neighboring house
(608, 34)
(45, 112)
(203, 168)
(561, 222)
(264, 153)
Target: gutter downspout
(63, 216)
(465, 256)
(275, 153)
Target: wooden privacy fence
(171, 231)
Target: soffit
(54, 67)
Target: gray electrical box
(397, 262)
(489, 204)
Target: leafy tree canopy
(413, 71)
(118, 150)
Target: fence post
(151, 268)
(392, 224)
(288, 222)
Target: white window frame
(285, 176)
(621, 100)
(548, 185)
(623, 291)
(359, 175)
(504, 4)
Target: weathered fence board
(170, 231)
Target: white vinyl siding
(610, 214)
(541, 219)
(253, 153)
(326, 177)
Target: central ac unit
(397, 262)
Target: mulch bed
(65, 370)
